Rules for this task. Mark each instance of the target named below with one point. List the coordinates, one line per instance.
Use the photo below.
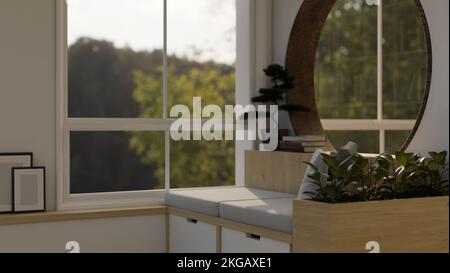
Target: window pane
(404, 60)
(346, 62)
(116, 161)
(202, 163)
(110, 43)
(368, 141)
(202, 51)
(395, 140)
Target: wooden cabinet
(234, 241)
(187, 235)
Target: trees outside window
(130, 61)
(371, 71)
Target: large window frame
(65, 124)
(380, 124)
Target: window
(127, 63)
(371, 73)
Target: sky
(198, 29)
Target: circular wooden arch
(301, 58)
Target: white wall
(27, 83)
(27, 124)
(138, 234)
(284, 13)
(433, 134)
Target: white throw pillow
(349, 149)
(307, 184)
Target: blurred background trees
(105, 81)
(346, 68)
(108, 81)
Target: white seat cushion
(275, 214)
(207, 201)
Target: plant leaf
(311, 165)
(274, 71)
(403, 157)
(439, 158)
(271, 92)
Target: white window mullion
(116, 124)
(165, 106)
(380, 71)
(61, 99)
(165, 72)
(382, 141)
(367, 125)
(380, 61)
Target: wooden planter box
(409, 225)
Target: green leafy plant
(341, 181)
(415, 176)
(281, 83)
(408, 175)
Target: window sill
(26, 218)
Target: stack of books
(303, 143)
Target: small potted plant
(280, 83)
(399, 202)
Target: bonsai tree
(281, 83)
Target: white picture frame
(28, 189)
(7, 162)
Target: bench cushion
(275, 214)
(207, 201)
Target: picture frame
(28, 189)
(7, 162)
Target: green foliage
(281, 82)
(415, 176)
(346, 67)
(107, 81)
(192, 163)
(342, 179)
(408, 175)
(100, 84)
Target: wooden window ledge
(54, 216)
